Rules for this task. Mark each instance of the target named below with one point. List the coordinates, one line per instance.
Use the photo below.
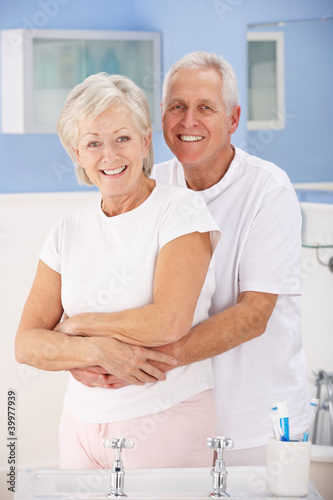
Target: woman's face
(112, 150)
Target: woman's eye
(123, 138)
(93, 144)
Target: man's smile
(190, 138)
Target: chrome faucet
(219, 471)
(117, 469)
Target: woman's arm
(180, 272)
(38, 345)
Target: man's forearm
(224, 331)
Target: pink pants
(175, 437)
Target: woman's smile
(115, 171)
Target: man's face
(196, 125)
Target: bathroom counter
(145, 484)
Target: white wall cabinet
(40, 68)
(266, 103)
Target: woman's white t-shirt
(107, 264)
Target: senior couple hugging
(206, 329)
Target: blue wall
(303, 148)
(33, 163)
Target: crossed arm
(228, 329)
(112, 342)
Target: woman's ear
(146, 140)
(77, 154)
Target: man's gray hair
(206, 60)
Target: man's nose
(189, 118)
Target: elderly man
(254, 329)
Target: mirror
(302, 145)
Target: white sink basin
(144, 484)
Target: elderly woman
(133, 268)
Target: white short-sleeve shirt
(257, 210)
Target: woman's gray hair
(206, 60)
(93, 96)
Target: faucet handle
(220, 443)
(118, 443)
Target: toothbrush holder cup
(288, 467)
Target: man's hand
(96, 376)
(122, 364)
(70, 326)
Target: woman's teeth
(115, 171)
(190, 138)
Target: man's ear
(234, 119)
(161, 114)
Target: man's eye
(177, 107)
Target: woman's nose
(109, 153)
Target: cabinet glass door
(265, 80)
(59, 65)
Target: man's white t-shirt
(257, 210)
(107, 264)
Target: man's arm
(228, 329)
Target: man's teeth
(115, 171)
(190, 138)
